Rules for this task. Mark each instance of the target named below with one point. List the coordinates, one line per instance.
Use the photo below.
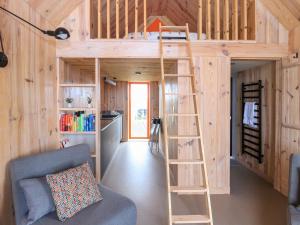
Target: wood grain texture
(213, 89)
(294, 36)
(266, 73)
(288, 121)
(54, 11)
(268, 27)
(115, 98)
(197, 13)
(27, 96)
(280, 10)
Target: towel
(249, 114)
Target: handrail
(215, 19)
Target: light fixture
(60, 33)
(3, 57)
(109, 81)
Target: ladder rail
(196, 108)
(165, 125)
(202, 162)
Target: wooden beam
(136, 17)
(99, 19)
(145, 49)
(217, 20)
(108, 19)
(208, 19)
(126, 18)
(282, 13)
(226, 20)
(235, 20)
(200, 19)
(117, 19)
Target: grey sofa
(114, 209)
(294, 191)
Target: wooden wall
(294, 36)
(213, 88)
(213, 78)
(116, 98)
(27, 94)
(287, 120)
(78, 22)
(154, 99)
(268, 28)
(266, 73)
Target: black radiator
(251, 138)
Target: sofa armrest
(293, 215)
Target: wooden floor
(139, 175)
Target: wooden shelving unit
(79, 79)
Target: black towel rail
(251, 143)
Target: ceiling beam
(282, 13)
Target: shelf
(77, 85)
(77, 109)
(78, 133)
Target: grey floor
(140, 175)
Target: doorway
(252, 115)
(139, 110)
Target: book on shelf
(77, 122)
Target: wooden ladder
(204, 188)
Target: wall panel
(288, 122)
(27, 94)
(213, 88)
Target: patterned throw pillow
(73, 190)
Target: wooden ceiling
(287, 11)
(135, 69)
(126, 69)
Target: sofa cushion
(114, 209)
(73, 190)
(38, 198)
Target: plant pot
(89, 105)
(69, 105)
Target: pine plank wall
(27, 95)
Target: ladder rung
(184, 137)
(174, 27)
(182, 94)
(183, 114)
(188, 190)
(185, 162)
(187, 219)
(178, 75)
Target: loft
(115, 74)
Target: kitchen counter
(111, 135)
